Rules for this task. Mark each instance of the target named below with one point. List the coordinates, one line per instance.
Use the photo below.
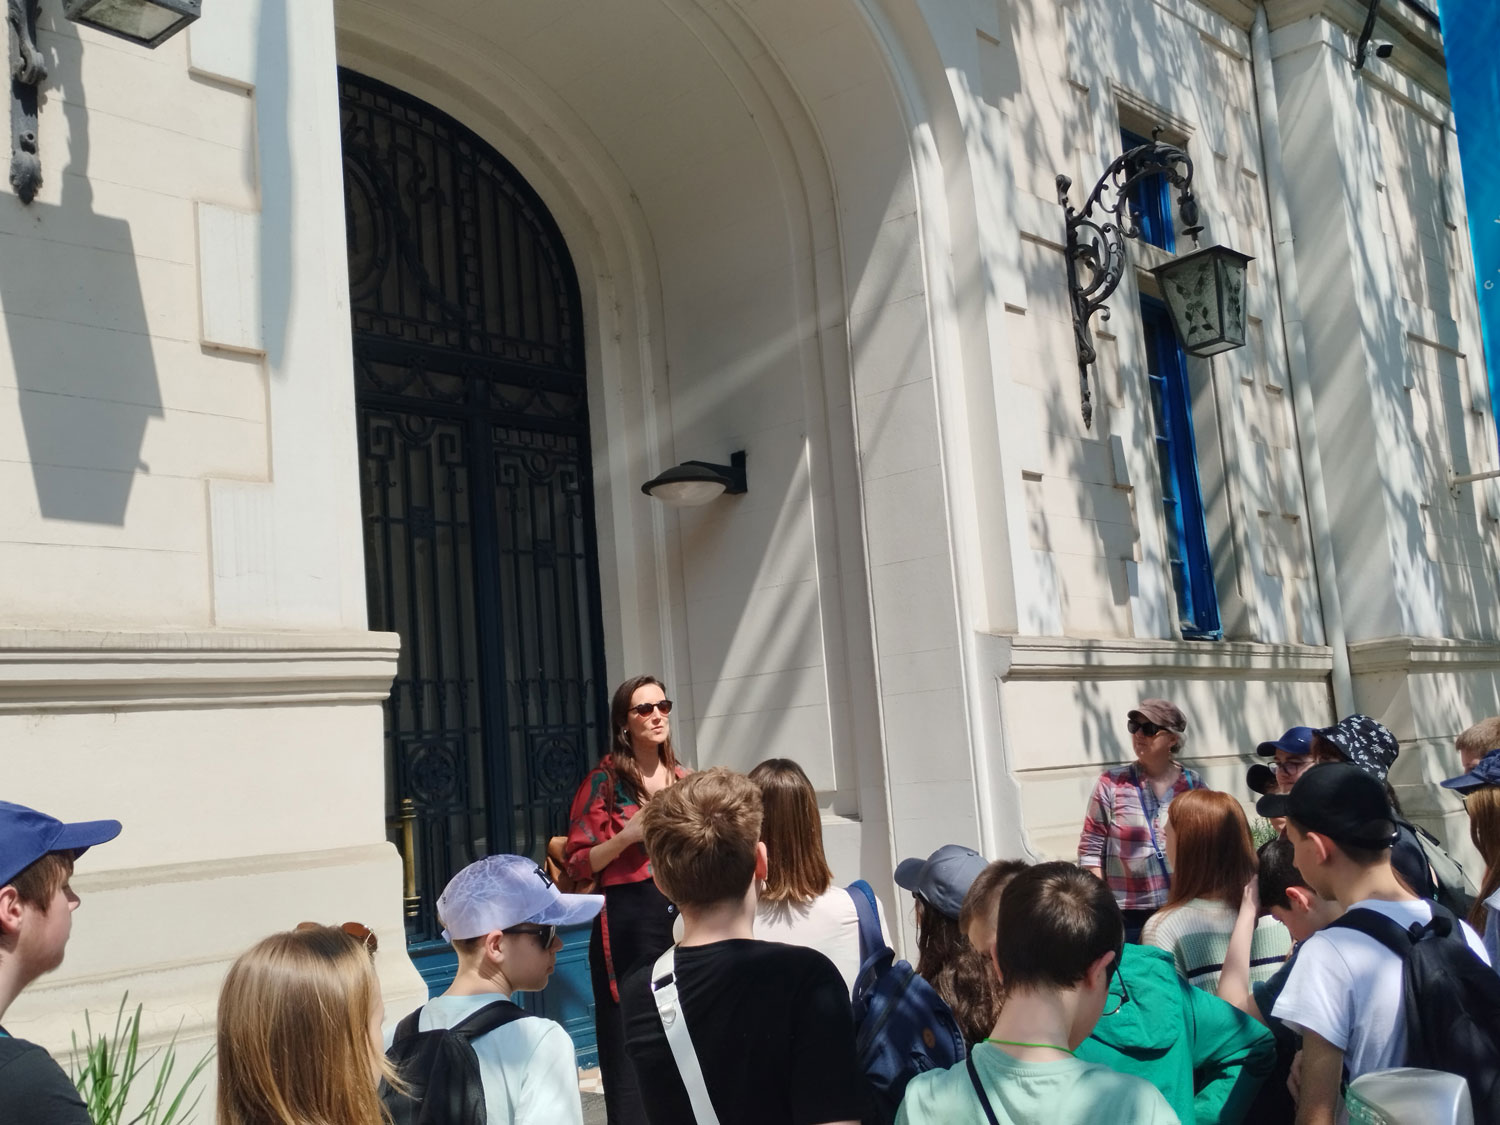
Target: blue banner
(1471, 41)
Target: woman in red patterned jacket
(604, 844)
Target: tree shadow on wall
(75, 320)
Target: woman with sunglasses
(604, 845)
(1124, 830)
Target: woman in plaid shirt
(1123, 839)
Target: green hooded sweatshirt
(1206, 1056)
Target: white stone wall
(184, 641)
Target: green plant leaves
(106, 1068)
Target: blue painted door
(478, 506)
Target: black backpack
(1451, 999)
(902, 1027)
(440, 1070)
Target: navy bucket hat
(1363, 742)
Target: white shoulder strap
(669, 1008)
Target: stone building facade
(824, 232)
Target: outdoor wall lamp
(148, 23)
(698, 482)
(1204, 290)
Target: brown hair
(983, 897)
(1215, 853)
(294, 1033)
(792, 828)
(1484, 829)
(619, 760)
(1483, 736)
(958, 972)
(1055, 921)
(37, 883)
(701, 834)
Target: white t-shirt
(1347, 987)
(829, 924)
(528, 1067)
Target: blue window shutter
(1176, 456)
(1151, 199)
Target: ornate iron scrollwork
(27, 69)
(1095, 248)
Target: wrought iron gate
(478, 509)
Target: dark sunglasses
(644, 709)
(1150, 730)
(544, 934)
(357, 930)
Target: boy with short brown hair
(36, 917)
(1477, 741)
(769, 1024)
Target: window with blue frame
(1177, 458)
(1151, 200)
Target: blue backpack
(902, 1027)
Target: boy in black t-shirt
(36, 917)
(770, 1023)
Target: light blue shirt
(528, 1067)
(1066, 1092)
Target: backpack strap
(984, 1099)
(407, 1027)
(471, 1027)
(674, 1023)
(487, 1018)
(1387, 931)
(871, 941)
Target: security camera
(1382, 48)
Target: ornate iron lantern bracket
(1095, 248)
(146, 23)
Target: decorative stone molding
(83, 671)
(1422, 655)
(1073, 658)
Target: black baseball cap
(1340, 801)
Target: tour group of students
(723, 956)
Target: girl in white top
(1212, 857)
(800, 904)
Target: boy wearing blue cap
(36, 916)
(501, 914)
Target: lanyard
(1150, 815)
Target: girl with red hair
(1212, 857)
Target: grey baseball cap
(943, 878)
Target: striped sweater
(1196, 934)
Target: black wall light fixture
(147, 23)
(1204, 290)
(698, 482)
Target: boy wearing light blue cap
(501, 915)
(36, 917)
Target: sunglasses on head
(544, 934)
(644, 709)
(1150, 730)
(357, 930)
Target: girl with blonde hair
(299, 1039)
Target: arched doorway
(477, 493)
